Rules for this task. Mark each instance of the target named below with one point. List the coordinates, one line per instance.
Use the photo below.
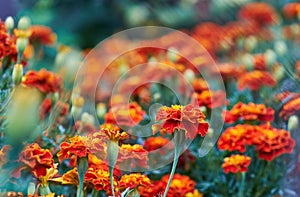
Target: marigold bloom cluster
(255, 79)
(236, 163)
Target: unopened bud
(210, 132)
(31, 189)
(250, 43)
(270, 57)
(189, 75)
(55, 97)
(78, 101)
(172, 54)
(21, 44)
(17, 74)
(279, 73)
(101, 110)
(247, 60)
(280, 47)
(24, 23)
(9, 23)
(293, 122)
(203, 109)
(156, 96)
(87, 118)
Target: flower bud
(24, 23)
(247, 60)
(293, 123)
(203, 109)
(250, 43)
(9, 23)
(17, 74)
(270, 57)
(172, 54)
(21, 44)
(78, 101)
(31, 189)
(55, 97)
(87, 118)
(279, 73)
(101, 110)
(156, 96)
(210, 132)
(189, 75)
(280, 47)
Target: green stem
(178, 142)
(113, 151)
(242, 185)
(111, 179)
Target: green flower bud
(9, 23)
(24, 23)
(31, 189)
(247, 60)
(279, 73)
(17, 74)
(101, 110)
(21, 44)
(172, 54)
(250, 43)
(87, 118)
(280, 47)
(293, 123)
(189, 75)
(270, 57)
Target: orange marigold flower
(180, 185)
(210, 99)
(43, 80)
(260, 12)
(134, 180)
(249, 111)
(236, 138)
(7, 43)
(69, 178)
(188, 118)
(236, 163)
(271, 142)
(290, 108)
(42, 34)
(135, 154)
(125, 115)
(291, 10)
(79, 146)
(255, 79)
(229, 71)
(153, 143)
(260, 62)
(297, 68)
(99, 178)
(195, 193)
(114, 133)
(38, 159)
(199, 85)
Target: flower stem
(113, 151)
(178, 140)
(242, 185)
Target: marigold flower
(260, 62)
(290, 108)
(125, 115)
(236, 138)
(84, 127)
(236, 163)
(291, 10)
(45, 81)
(210, 99)
(255, 79)
(195, 193)
(42, 34)
(229, 71)
(260, 12)
(80, 146)
(153, 143)
(99, 178)
(132, 153)
(134, 180)
(249, 111)
(200, 85)
(69, 178)
(187, 118)
(180, 185)
(45, 108)
(7, 43)
(114, 133)
(271, 143)
(3, 153)
(38, 159)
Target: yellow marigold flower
(69, 178)
(236, 163)
(195, 193)
(134, 180)
(114, 133)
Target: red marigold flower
(42, 34)
(236, 163)
(38, 159)
(80, 146)
(260, 62)
(236, 138)
(291, 10)
(135, 154)
(229, 71)
(271, 142)
(99, 178)
(199, 85)
(249, 111)
(210, 99)
(154, 143)
(255, 79)
(290, 108)
(114, 133)
(7, 43)
(45, 108)
(125, 115)
(134, 180)
(260, 12)
(180, 185)
(43, 80)
(187, 118)
(84, 127)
